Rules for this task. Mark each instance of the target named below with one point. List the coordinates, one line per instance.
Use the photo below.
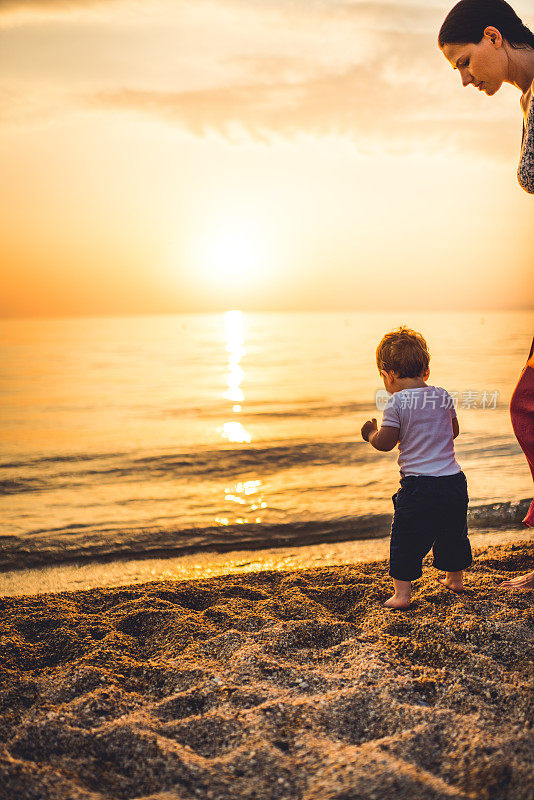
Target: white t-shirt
(424, 417)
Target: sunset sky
(169, 156)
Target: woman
(522, 413)
(488, 44)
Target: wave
(208, 463)
(302, 409)
(20, 485)
(223, 462)
(56, 459)
(90, 543)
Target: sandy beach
(272, 684)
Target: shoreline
(205, 564)
(276, 684)
(65, 546)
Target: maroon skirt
(522, 414)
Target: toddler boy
(430, 507)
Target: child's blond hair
(403, 351)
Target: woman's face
(483, 65)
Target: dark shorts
(430, 512)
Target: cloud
(362, 103)
(9, 6)
(370, 71)
(20, 13)
(373, 13)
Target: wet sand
(208, 564)
(272, 684)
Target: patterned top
(525, 171)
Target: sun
(233, 255)
(233, 252)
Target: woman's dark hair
(467, 21)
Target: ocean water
(132, 436)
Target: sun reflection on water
(233, 327)
(233, 430)
(246, 494)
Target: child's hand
(368, 428)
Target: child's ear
(390, 374)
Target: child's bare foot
(402, 596)
(453, 581)
(398, 602)
(454, 587)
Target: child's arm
(384, 439)
(455, 427)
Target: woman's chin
(491, 90)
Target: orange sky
(167, 156)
